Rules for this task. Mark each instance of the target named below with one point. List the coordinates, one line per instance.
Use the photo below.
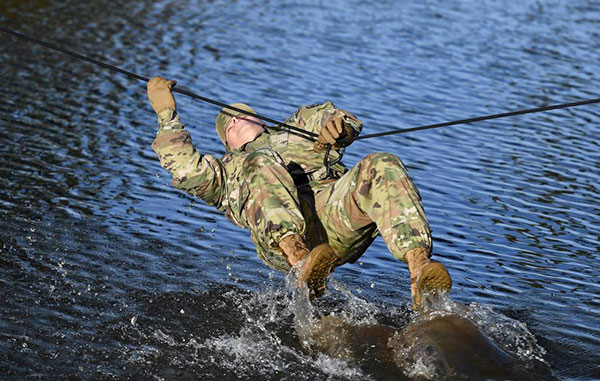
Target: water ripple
(93, 230)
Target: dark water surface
(106, 271)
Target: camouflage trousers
(375, 197)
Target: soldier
(301, 213)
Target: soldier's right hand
(159, 93)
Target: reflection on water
(447, 340)
(106, 271)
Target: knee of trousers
(382, 162)
(261, 159)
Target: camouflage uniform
(277, 185)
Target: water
(108, 272)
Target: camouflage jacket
(217, 181)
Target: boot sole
(434, 279)
(320, 263)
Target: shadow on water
(227, 332)
(445, 340)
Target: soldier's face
(242, 129)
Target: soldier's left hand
(334, 132)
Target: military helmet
(225, 117)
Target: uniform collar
(260, 139)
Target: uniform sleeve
(312, 118)
(200, 175)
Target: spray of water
(276, 336)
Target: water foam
(258, 348)
(274, 337)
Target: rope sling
(279, 125)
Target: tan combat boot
(293, 248)
(425, 275)
(316, 268)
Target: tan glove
(335, 130)
(159, 93)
